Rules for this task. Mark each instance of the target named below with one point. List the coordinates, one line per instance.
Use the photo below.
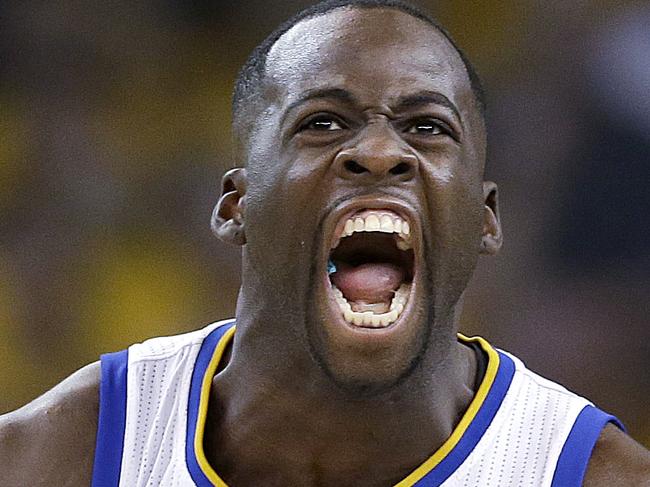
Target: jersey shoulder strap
(121, 396)
(112, 419)
(576, 452)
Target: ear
(228, 216)
(492, 237)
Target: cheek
(453, 190)
(308, 165)
(293, 193)
(454, 205)
(284, 204)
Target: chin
(366, 363)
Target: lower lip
(336, 310)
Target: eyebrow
(425, 97)
(321, 93)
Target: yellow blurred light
(137, 290)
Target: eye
(322, 123)
(427, 127)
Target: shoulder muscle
(51, 441)
(618, 460)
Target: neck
(276, 415)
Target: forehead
(378, 53)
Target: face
(365, 209)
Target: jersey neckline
(432, 472)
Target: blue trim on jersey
(435, 477)
(476, 429)
(202, 361)
(576, 452)
(112, 420)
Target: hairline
(244, 96)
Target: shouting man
(361, 210)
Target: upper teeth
(380, 222)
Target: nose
(378, 154)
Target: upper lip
(348, 208)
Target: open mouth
(371, 267)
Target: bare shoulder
(51, 441)
(618, 460)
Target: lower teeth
(368, 318)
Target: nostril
(401, 168)
(354, 167)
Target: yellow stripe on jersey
(415, 476)
(466, 420)
(203, 409)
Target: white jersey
(520, 429)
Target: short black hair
(251, 75)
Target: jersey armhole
(576, 452)
(112, 420)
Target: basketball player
(361, 211)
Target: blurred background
(114, 132)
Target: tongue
(371, 283)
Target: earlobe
(492, 237)
(228, 216)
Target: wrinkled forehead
(379, 52)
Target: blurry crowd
(114, 132)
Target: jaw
(370, 344)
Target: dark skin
(304, 400)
